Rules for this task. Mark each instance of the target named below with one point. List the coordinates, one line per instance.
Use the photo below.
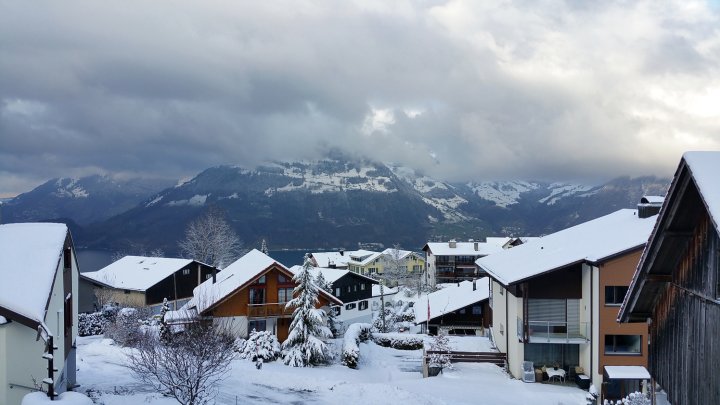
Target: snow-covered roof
(324, 259)
(463, 248)
(29, 257)
(234, 276)
(3, 320)
(705, 167)
(387, 290)
(627, 373)
(231, 278)
(591, 241)
(497, 240)
(137, 273)
(330, 275)
(451, 298)
(652, 199)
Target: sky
(481, 90)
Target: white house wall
(24, 362)
(595, 340)
(585, 316)
(499, 310)
(516, 349)
(3, 364)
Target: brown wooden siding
(619, 272)
(560, 284)
(685, 349)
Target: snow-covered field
(383, 376)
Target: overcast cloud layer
(554, 90)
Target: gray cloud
(534, 90)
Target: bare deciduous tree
(211, 240)
(190, 366)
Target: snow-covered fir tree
(263, 247)
(304, 345)
(165, 333)
(441, 344)
(322, 283)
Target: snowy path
(384, 376)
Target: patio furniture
(528, 371)
(558, 375)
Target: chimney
(214, 274)
(342, 252)
(452, 244)
(474, 286)
(475, 245)
(649, 206)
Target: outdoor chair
(528, 371)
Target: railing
(556, 332)
(268, 310)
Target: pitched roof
(695, 168)
(330, 275)
(324, 259)
(137, 273)
(235, 276)
(451, 298)
(463, 248)
(592, 241)
(29, 258)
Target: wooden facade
(675, 288)
(263, 298)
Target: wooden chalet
(252, 293)
(676, 287)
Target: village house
(353, 289)
(140, 281)
(251, 293)
(452, 262)
(38, 317)
(676, 288)
(338, 259)
(555, 300)
(374, 264)
(456, 309)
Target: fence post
(425, 371)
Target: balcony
(269, 310)
(555, 332)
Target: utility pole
(382, 304)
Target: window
(337, 291)
(362, 287)
(417, 267)
(355, 288)
(614, 295)
(350, 306)
(337, 310)
(186, 272)
(207, 276)
(363, 305)
(283, 280)
(260, 280)
(462, 311)
(257, 324)
(623, 344)
(477, 310)
(348, 289)
(257, 296)
(285, 295)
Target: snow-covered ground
(383, 376)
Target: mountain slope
(339, 203)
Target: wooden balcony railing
(268, 310)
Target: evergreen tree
(322, 283)
(165, 334)
(304, 345)
(263, 247)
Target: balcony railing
(556, 332)
(268, 310)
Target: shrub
(400, 341)
(263, 345)
(127, 329)
(92, 324)
(356, 333)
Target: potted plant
(438, 361)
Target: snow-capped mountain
(84, 200)
(329, 203)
